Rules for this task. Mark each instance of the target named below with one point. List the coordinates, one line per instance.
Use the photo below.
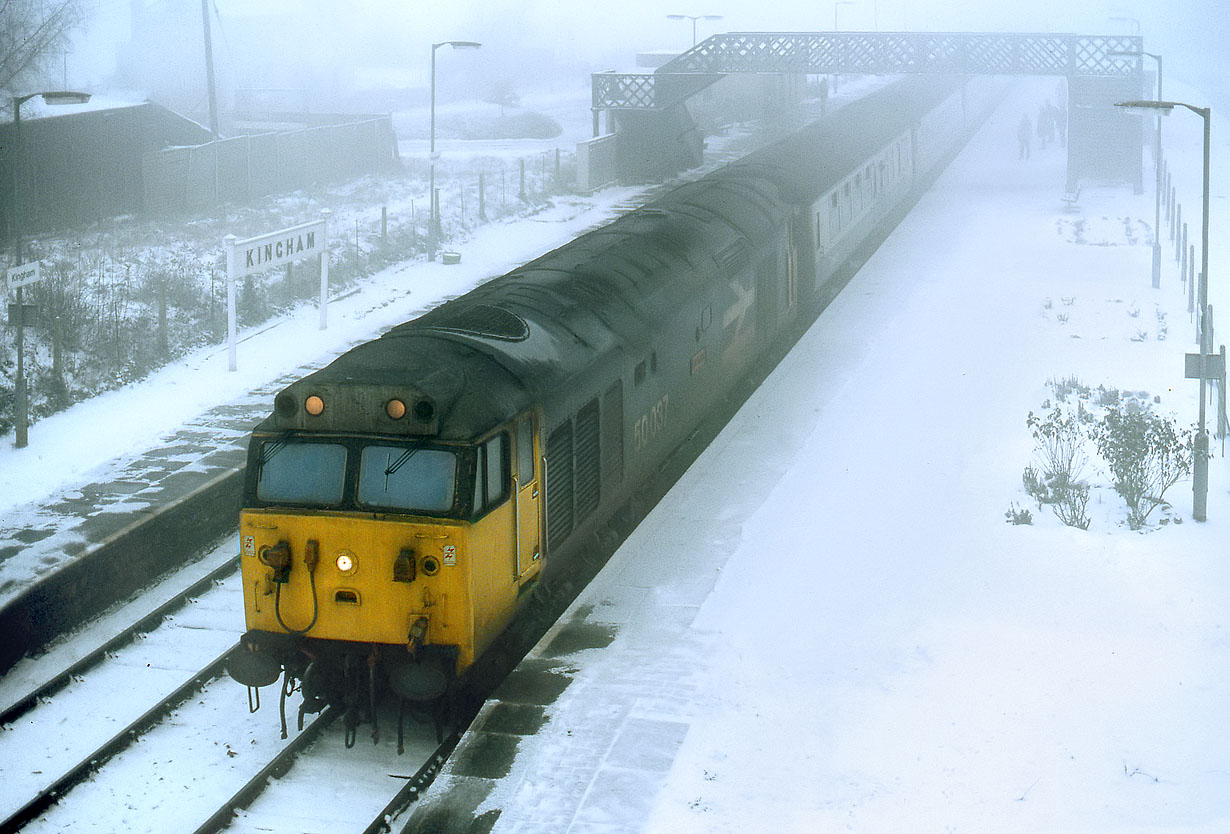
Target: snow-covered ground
(828, 625)
(859, 641)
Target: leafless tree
(33, 35)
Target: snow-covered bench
(1071, 197)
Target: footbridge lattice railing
(866, 53)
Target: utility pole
(209, 71)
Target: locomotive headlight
(396, 409)
(314, 405)
(346, 562)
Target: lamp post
(1200, 462)
(694, 18)
(1157, 169)
(434, 220)
(21, 421)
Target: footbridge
(657, 136)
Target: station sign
(20, 276)
(256, 254)
(1204, 366)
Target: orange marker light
(314, 405)
(395, 409)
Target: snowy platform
(828, 625)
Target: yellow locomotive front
(375, 552)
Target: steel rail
(78, 772)
(278, 765)
(145, 624)
(413, 789)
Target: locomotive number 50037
(648, 425)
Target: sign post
(17, 277)
(256, 254)
(231, 275)
(324, 269)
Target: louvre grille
(559, 485)
(588, 486)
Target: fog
(154, 48)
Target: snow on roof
(38, 108)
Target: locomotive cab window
(294, 472)
(491, 474)
(407, 478)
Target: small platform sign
(25, 315)
(1204, 366)
(19, 276)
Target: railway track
(144, 732)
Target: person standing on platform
(1045, 128)
(1023, 132)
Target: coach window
(491, 474)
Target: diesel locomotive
(402, 503)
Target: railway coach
(403, 503)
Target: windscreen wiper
(402, 459)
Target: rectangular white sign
(19, 276)
(256, 254)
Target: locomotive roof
(535, 334)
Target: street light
(1200, 463)
(21, 422)
(1157, 169)
(434, 218)
(694, 18)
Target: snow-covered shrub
(1018, 515)
(1035, 486)
(1061, 437)
(1071, 503)
(1061, 442)
(1107, 396)
(1068, 386)
(1146, 454)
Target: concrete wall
(597, 162)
